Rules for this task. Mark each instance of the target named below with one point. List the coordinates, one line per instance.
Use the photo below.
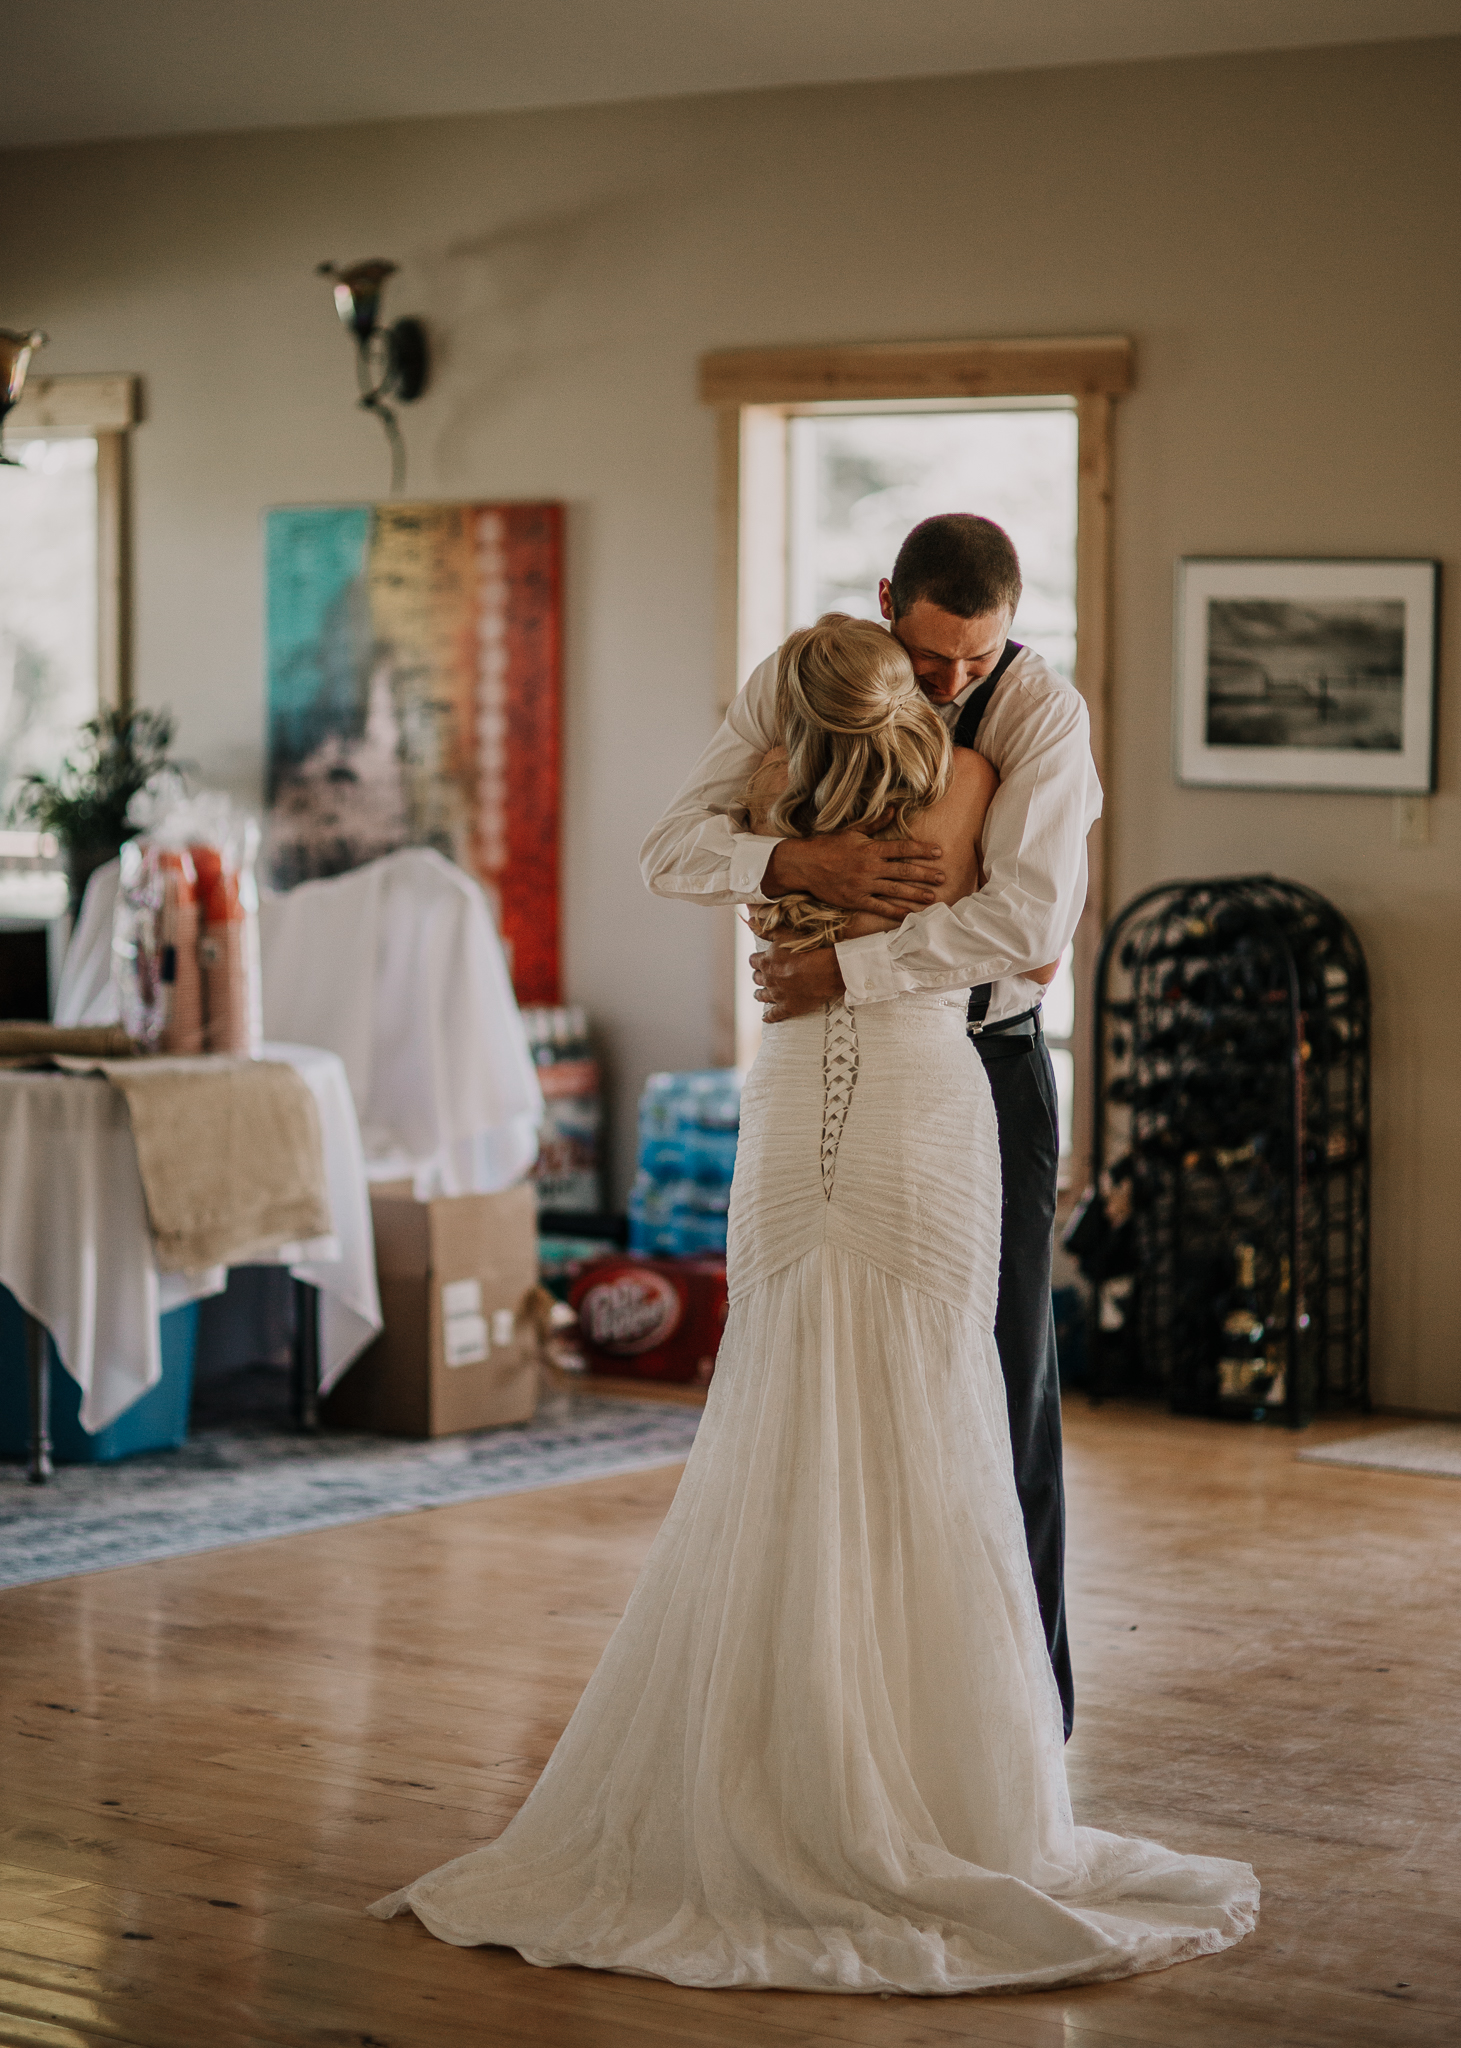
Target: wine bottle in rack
(1276, 1347)
(1243, 1371)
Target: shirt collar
(951, 711)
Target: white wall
(1277, 233)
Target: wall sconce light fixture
(15, 354)
(390, 362)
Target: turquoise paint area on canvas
(318, 634)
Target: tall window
(65, 642)
(48, 603)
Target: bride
(823, 1749)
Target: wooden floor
(210, 1765)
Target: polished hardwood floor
(210, 1765)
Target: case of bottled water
(688, 1124)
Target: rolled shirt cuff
(868, 972)
(750, 855)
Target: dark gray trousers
(1023, 1086)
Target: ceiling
(88, 70)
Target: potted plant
(85, 803)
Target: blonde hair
(864, 749)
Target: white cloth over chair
(398, 968)
(76, 1250)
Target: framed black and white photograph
(1306, 675)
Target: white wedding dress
(823, 1750)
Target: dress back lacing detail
(839, 1077)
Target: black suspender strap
(965, 733)
(972, 715)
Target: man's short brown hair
(961, 563)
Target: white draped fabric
(398, 968)
(75, 1249)
(85, 993)
(823, 1750)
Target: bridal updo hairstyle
(865, 750)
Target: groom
(951, 601)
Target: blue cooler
(158, 1422)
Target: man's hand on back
(792, 984)
(888, 877)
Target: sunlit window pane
(859, 481)
(1064, 1065)
(48, 676)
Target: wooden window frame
(755, 391)
(105, 409)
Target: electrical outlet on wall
(1410, 822)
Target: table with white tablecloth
(77, 1253)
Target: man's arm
(698, 851)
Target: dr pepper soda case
(651, 1319)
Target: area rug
(239, 1484)
(1433, 1448)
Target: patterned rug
(1433, 1448)
(240, 1482)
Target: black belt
(994, 1040)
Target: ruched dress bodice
(884, 1115)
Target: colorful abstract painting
(414, 668)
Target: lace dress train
(823, 1749)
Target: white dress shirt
(1035, 733)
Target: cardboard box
(456, 1352)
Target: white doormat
(1432, 1447)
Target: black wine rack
(1231, 1108)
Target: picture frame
(1306, 674)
